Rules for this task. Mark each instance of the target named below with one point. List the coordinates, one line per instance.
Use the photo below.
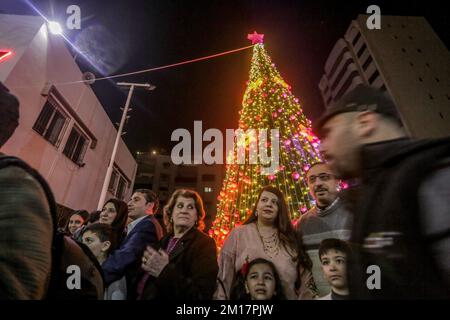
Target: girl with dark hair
(258, 280)
(183, 266)
(268, 233)
(115, 213)
(77, 220)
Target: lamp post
(146, 86)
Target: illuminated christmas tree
(268, 103)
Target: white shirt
(133, 224)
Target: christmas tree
(268, 103)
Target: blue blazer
(126, 260)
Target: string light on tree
(268, 103)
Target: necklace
(270, 243)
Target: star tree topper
(256, 37)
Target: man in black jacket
(25, 220)
(34, 258)
(401, 231)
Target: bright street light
(55, 27)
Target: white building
(63, 130)
(406, 58)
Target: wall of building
(406, 59)
(47, 59)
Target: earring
(256, 213)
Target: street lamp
(55, 27)
(145, 86)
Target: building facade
(158, 173)
(63, 132)
(407, 59)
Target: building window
(411, 64)
(427, 64)
(374, 76)
(112, 182)
(430, 96)
(437, 79)
(337, 62)
(361, 50)
(441, 115)
(76, 146)
(355, 40)
(420, 79)
(403, 50)
(341, 74)
(329, 100)
(208, 189)
(367, 63)
(122, 186)
(448, 97)
(50, 122)
(410, 38)
(346, 85)
(164, 177)
(419, 50)
(395, 37)
(208, 177)
(185, 180)
(118, 185)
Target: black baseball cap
(361, 98)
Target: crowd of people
(395, 215)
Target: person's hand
(154, 261)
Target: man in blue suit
(144, 230)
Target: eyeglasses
(322, 177)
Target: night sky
(143, 34)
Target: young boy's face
(334, 267)
(95, 244)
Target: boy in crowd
(333, 254)
(99, 238)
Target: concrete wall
(47, 59)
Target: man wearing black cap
(25, 220)
(402, 212)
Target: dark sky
(143, 34)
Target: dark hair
(94, 216)
(9, 114)
(150, 196)
(82, 213)
(238, 291)
(104, 232)
(283, 223)
(288, 237)
(168, 209)
(120, 221)
(334, 244)
(315, 165)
